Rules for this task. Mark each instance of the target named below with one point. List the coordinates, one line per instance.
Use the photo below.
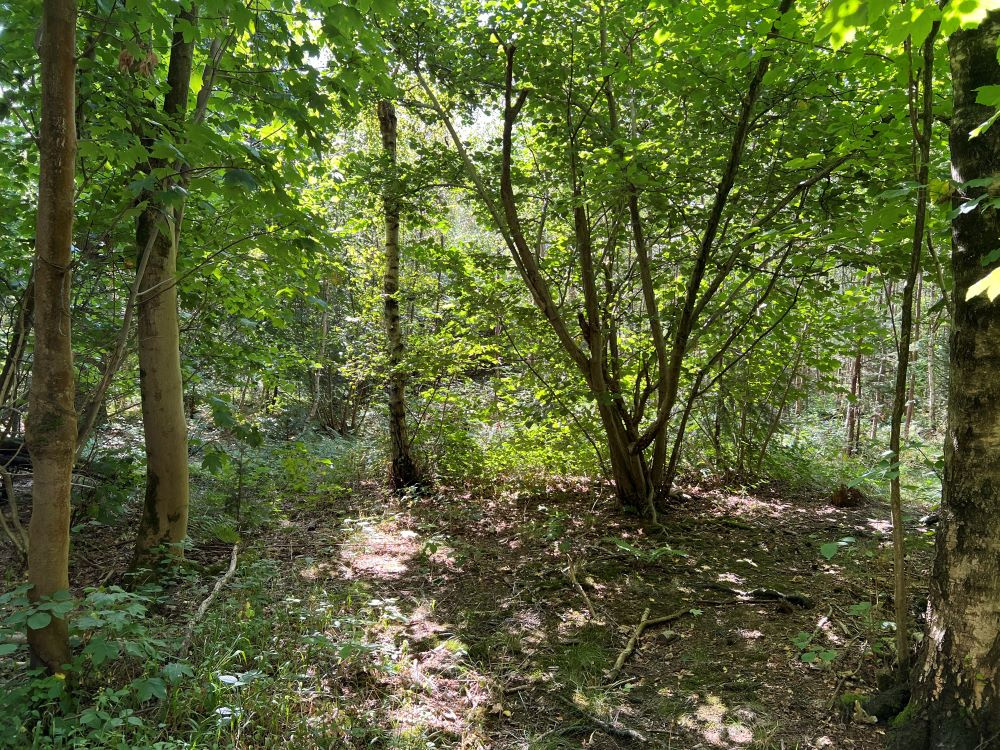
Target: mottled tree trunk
(51, 434)
(403, 469)
(955, 704)
(165, 510)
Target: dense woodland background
(505, 328)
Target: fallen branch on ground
(579, 588)
(608, 727)
(203, 608)
(644, 623)
(762, 595)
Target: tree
(165, 509)
(956, 699)
(51, 433)
(636, 284)
(403, 469)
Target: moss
(905, 716)
(847, 699)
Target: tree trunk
(854, 406)
(955, 703)
(921, 98)
(402, 469)
(51, 434)
(18, 341)
(931, 394)
(165, 511)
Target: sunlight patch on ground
(379, 551)
(881, 525)
(717, 724)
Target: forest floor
(458, 621)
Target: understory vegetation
(452, 374)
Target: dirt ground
(504, 616)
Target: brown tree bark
(165, 510)
(403, 470)
(51, 433)
(956, 699)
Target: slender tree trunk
(165, 511)
(19, 339)
(853, 418)
(402, 469)
(931, 394)
(51, 434)
(922, 109)
(956, 699)
(911, 394)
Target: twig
(203, 608)
(644, 622)
(609, 727)
(630, 646)
(579, 588)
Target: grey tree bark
(956, 696)
(403, 470)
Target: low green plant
(120, 667)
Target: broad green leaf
(829, 550)
(39, 620)
(963, 14)
(989, 285)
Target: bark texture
(165, 510)
(51, 433)
(955, 702)
(403, 470)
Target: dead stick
(609, 727)
(630, 646)
(644, 622)
(576, 584)
(203, 608)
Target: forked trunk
(51, 433)
(956, 700)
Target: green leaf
(8, 648)
(175, 671)
(39, 620)
(829, 549)
(240, 179)
(989, 285)
(841, 22)
(963, 14)
(148, 688)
